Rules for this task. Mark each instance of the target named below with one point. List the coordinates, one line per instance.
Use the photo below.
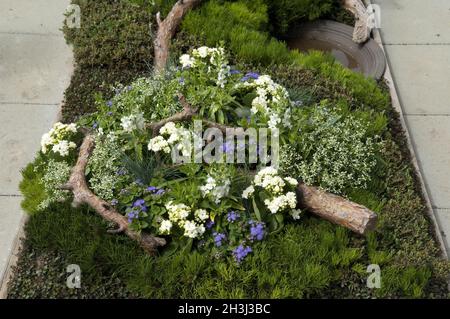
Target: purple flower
(257, 231)
(181, 80)
(218, 237)
(121, 172)
(132, 215)
(109, 103)
(140, 204)
(129, 88)
(109, 113)
(228, 147)
(114, 202)
(235, 72)
(250, 75)
(95, 125)
(209, 224)
(232, 216)
(160, 191)
(241, 252)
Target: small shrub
(285, 13)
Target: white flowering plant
(272, 197)
(60, 140)
(216, 207)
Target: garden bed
(306, 258)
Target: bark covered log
(363, 27)
(83, 195)
(337, 209)
(166, 30)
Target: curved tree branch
(83, 195)
(362, 29)
(166, 30)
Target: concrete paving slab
(35, 16)
(34, 68)
(10, 216)
(422, 76)
(415, 21)
(21, 129)
(431, 138)
(443, 216)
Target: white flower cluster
(269, 180)
(178, 136)
(133, 122)
(216, 189)
(57, 139)
(212, 58)
(335, 153)
(56, 174)
(178, 214)
(272, 101)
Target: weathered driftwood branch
(166, 30)
(363, 27)
(83, 195)
(186, 114)
(337, 209)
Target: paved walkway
(416, 36)
(35, 68)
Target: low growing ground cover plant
(240, 255)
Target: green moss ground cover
(312, 258)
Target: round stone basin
(336, 38)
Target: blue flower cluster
(137, 207)
(250, 75)
(232, 216)
(155, 190)
(218, 237)
(241, 252)
(257, 230)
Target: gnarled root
(77, 184)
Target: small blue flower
(129, 88)
(232, 216)
(95, 125)
(109, 103)
(140, 204)
(241, 252)
(218, 237)
(228, 147)
(121, 172)
(257, 231)
(114, 202)
(235, 72)
(250, 75)
(209, 224)
(151, 188)
(160, 191)
(181, 80)
(109, 113)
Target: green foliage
(112, 33)
(241, 25)
(286, 13)
(105, 167)
(331, 148)
(31, 187)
